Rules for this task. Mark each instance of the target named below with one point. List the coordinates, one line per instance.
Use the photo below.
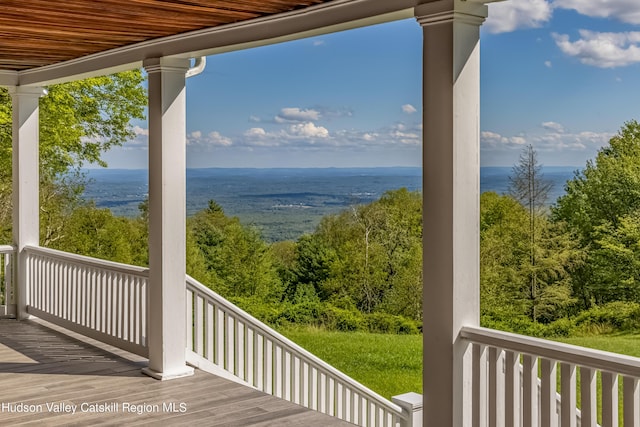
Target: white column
(26, 183)
(451, 190)
(167, 216)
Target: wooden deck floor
(42, 369)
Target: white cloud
(604, 50)
(318, 42)
(310, 136)
(409, 109)
(516, 14)
(254, 119)
(555, 139)
(494, 140)
(623, 10)
(308, 130)
(557, 127)
(289, 115)
(403, 134)
(255, 133)
(299, 133)
(197, 139)
(140, 140)
(398, 135)
(215, 138)
(140, 131)
(548, 64)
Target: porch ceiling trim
(311, 21)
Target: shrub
(614, 316)
(560, 328)
(390, 324)
(343, 320)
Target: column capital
(27, 91)
(175, 65)
(443, 11)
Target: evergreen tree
(506, 268)
(238, 262)
(528, 186)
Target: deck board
(40, 365)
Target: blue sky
(562, 75)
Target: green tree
(506, 268)
(368, 256)
(98, 233)
(237, 260)
(600, 205)
(78, 122)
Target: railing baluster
(568, 392)
(121, 305)
(512, 389)
(220, 331)
(496, 387)
(480, 386)
(588, 396)
(609, 399)
(278, 370)
(194, 323)
(239, 349)
(313, 382)
(250, 355)
(631, 396)
(101, 323)
(530, 390)
(229, 343)
(208, 330)
(257, 366)
(548, 393)
(286, 377)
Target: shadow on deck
(43, 368)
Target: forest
(548, 268)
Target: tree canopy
(602, 205)
(79, 121)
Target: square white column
(166, 309)
(451, 194)
(26, 183)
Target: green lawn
(623, 344)
(387, 364)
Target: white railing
(252, 352)
(503, 396)
(100, 299)
(7, 279)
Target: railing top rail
(576, 355)
(88, 261)
(196, 286)
(7, 249)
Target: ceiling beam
(316, 20)
(8, 78)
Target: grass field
(623, 344)
(387, 364)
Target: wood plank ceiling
(35, 33)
